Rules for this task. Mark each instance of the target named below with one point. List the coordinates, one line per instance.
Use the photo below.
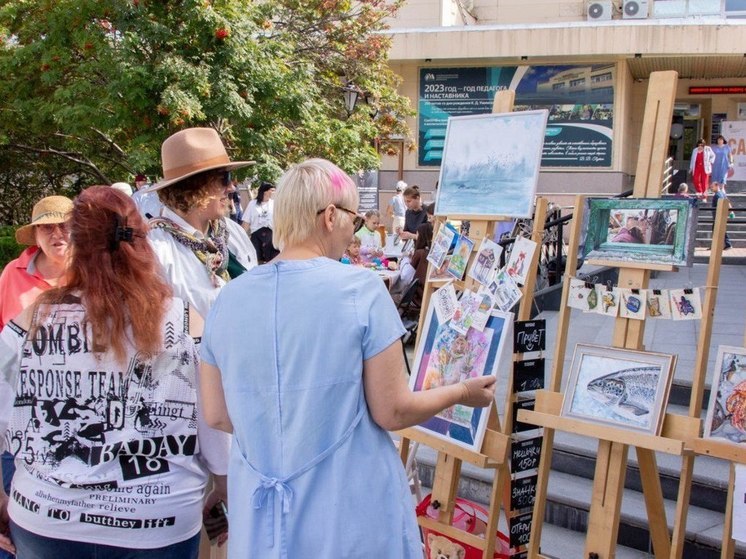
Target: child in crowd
(352, 254)
(419, 259)
(370, 238)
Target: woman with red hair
(98, 385)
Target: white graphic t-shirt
(105, 452)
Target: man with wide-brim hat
(43, 263)
(199, 247)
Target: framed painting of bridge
(618, 387)
(490, 165)
(658, 231)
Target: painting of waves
(491, 164)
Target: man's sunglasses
(357, 220)
(226, 178)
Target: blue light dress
(311, 475)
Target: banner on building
(734, 132)
(580, 101)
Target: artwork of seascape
(491, 164)
(623, 388)
(726, 413)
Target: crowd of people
(123, 446)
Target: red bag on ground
(467, 516)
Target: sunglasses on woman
(357, 220)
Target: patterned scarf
(212, 251)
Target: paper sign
(519, 427)
(446, 302)
(520, 529)
(523, 492)
(530, 336)
(525, 455)
(486, 262)
(528, 375)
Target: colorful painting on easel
(446, 356)
(491, 164)
(520, 259)
(460, 257)
(619, 387)
(726, 413)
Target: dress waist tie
(271, 486)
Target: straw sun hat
(52, 209)
(192, 151)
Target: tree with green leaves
(91, 88)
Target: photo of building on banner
(579, 99)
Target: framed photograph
(490, 164)
(446, 357)
(618, 387)
(639, 230)
(726, 413)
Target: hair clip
(121, 232)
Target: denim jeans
(9, 469)
(32, 546)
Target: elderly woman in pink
(40, 266)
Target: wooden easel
(734, 453)
(497, 441)
(613, 446)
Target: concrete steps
(570, 488)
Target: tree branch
(73, 157)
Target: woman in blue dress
(723, 161)
(302, 362)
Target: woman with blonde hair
(98, 384)
(310, 390)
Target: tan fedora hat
(192, 151)
(52, 209)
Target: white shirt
(147, 203)
(397, 205)
(188, 276)
(107, 453)
(259, 215)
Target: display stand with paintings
(725, 437)
(456, 436)
(630, 382)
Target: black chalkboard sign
(529, 336)
(528, 375)
(523, 492)
(524, 455)
(519, 427)
(520, 529)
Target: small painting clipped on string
(685, 304)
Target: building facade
(585, 61)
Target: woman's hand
(219, 493)
(478, 392)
